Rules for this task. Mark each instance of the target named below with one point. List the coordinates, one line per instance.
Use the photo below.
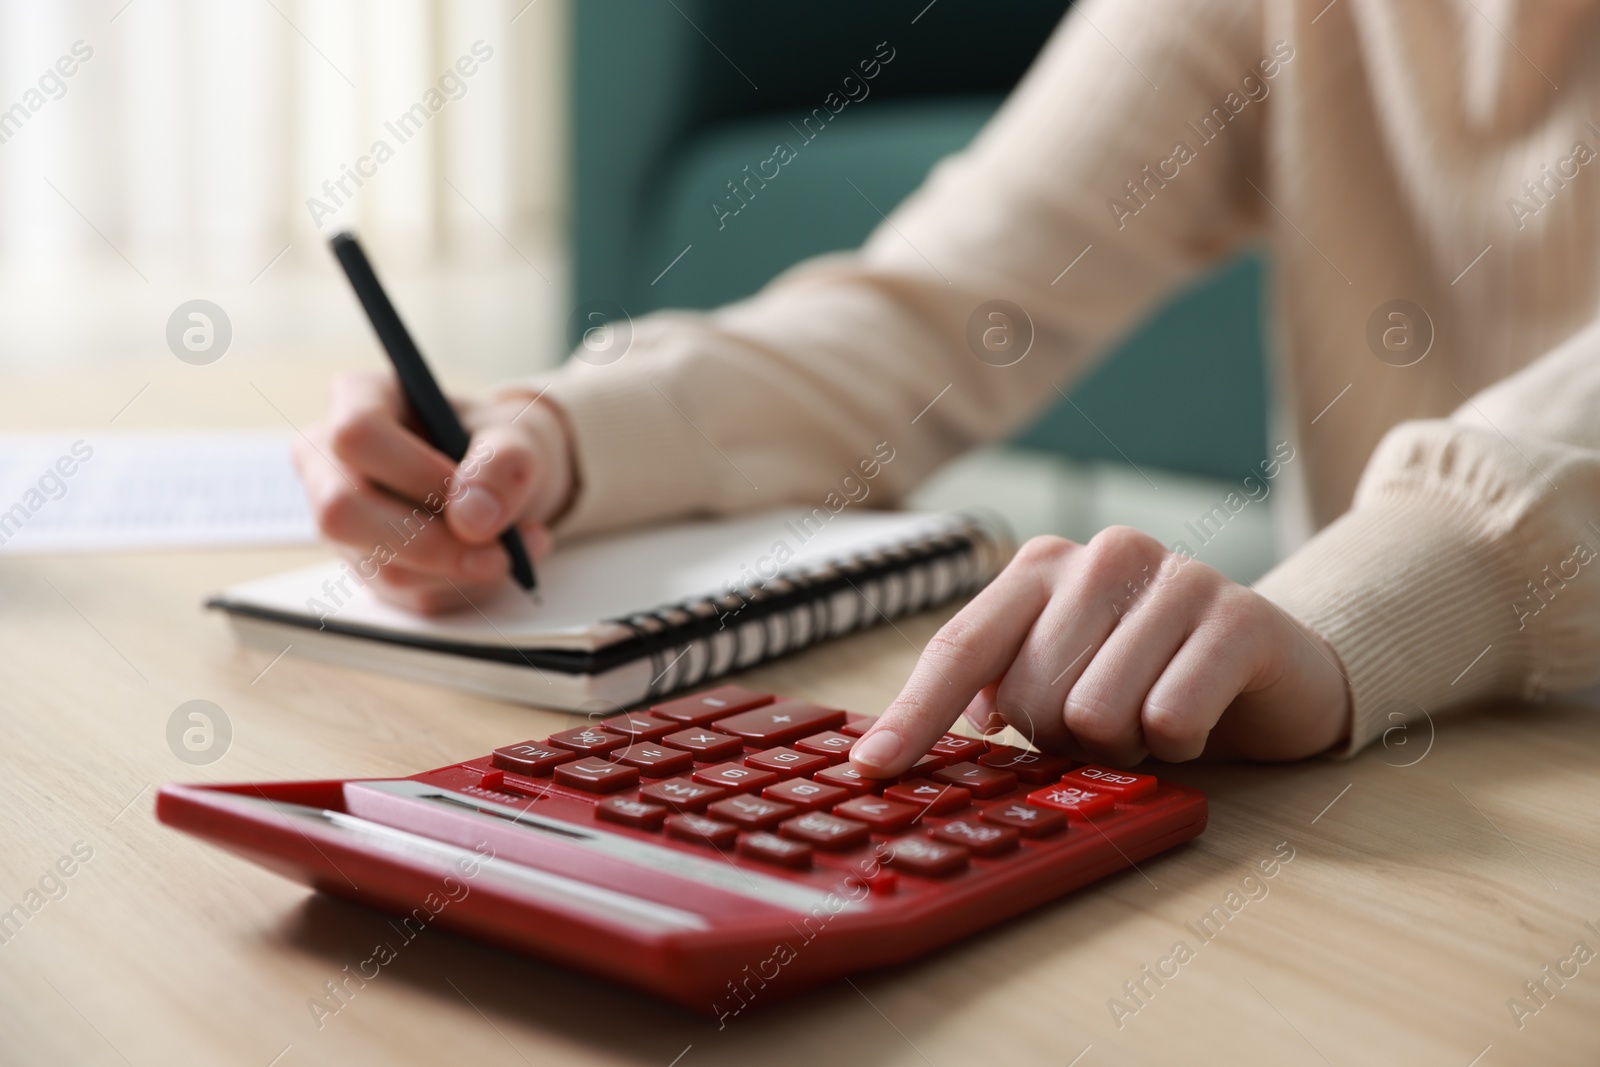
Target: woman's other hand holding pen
(419, 528)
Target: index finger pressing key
(968, 652)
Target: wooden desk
(1418, 901)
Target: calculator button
(786, 762)
(1027, 820)
(957, 747)
(1034, 768)
(1074, 800)
(780, 723)
(1123, 785)
(824, 831)
(631, 813)
(982, 782)
(979, 839)
(639, 725)
(807, 795)
(701, 830)
(830, 743)
(884, 816)
(591, 740)
(931, 859)
(857, 725)
(596, 775)
(937, 797)
(773, 849)
(751, 813)
(701, 708)
(530, 758)
(847, 777)
(657, 761)
(682, 794)
(708, 746)
(925, 766)
(735, 776)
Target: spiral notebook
(627, 618)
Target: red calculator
(716, 850)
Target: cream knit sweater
(1439, 152)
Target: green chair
(673, 98)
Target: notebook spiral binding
(694, 641)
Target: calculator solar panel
(717, 850)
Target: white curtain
(195, 137)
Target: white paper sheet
(97, 490)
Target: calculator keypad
(768, 782)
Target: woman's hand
(421, 529)
(1116, 650)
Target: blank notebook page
(583, 583)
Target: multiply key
(707, 745)
(780, 723)
(701, 708)
(933, 796)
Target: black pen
(427, 401)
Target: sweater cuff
(1416, 596)
(635, 453)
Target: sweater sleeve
(1466, 566)
(775, 398)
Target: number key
(806, 794)
(981, 840)
(1034, 768)
(979, 781)
(830, 743)
(786, 762)
(884, 816)
(735, 777)
(934, 796)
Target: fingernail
(876, 749)
(485, 564)
(477, 511)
